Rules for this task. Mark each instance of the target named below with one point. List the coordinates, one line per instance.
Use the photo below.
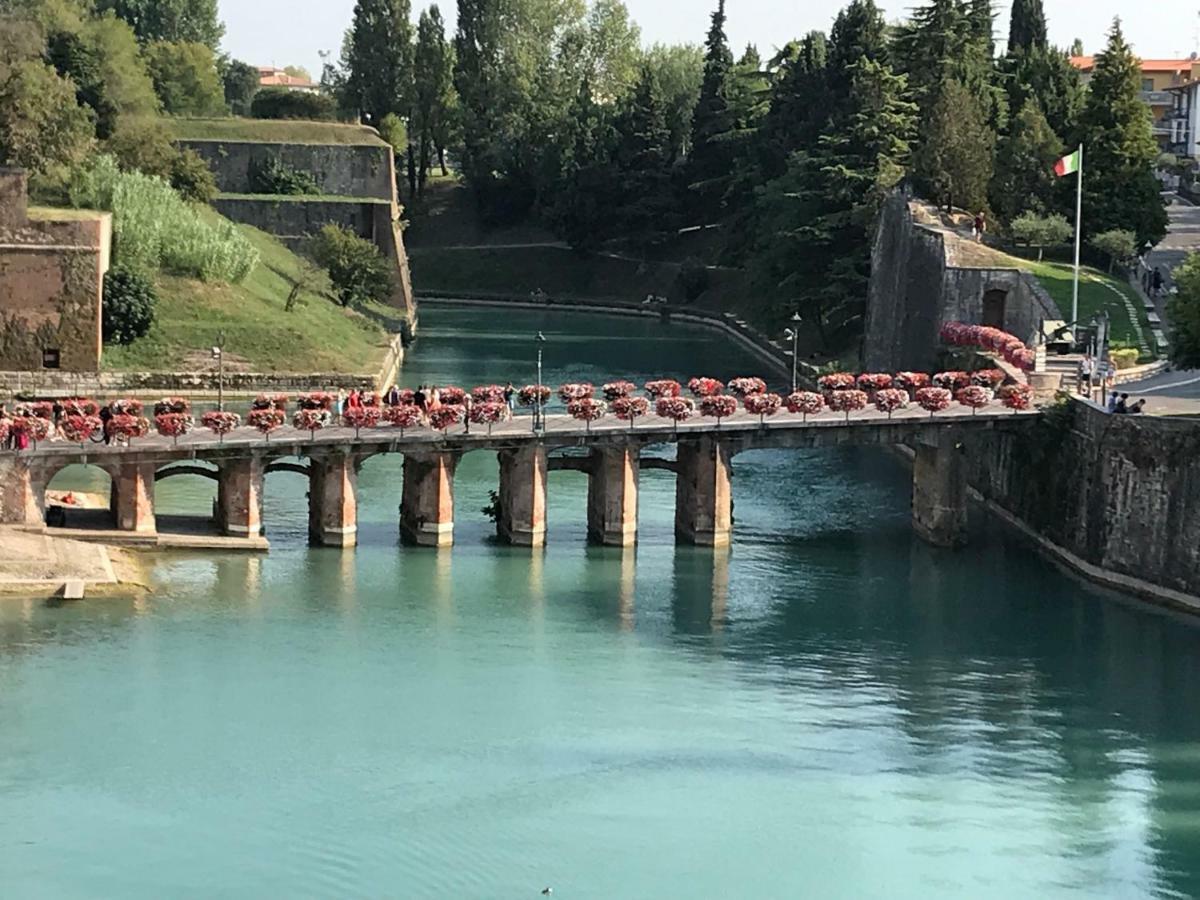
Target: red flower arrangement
(172, 405)
(763, 405)
(79, 406)
(836, 381)
(445, 416)
(718, 407)
(614, 390)
(405, 396)
(587, 410)
(454, 396)
(581, 390)
(1009, 346)
(528, 395)
(952, 380)
(126, 426)
(745, 386)
(674, 407)
(933, 399)
(911, 381)
(847, 402)
(489, 412)
(173, 424)
(406, 415)
(315, 400)
(705, 387)
(126, 406)
(270, 401)
(79, 429)
(372, 400)
(311, 419)
(975, 397)
(5, 427)
(37, 410)
(361, 417)
(33, 427)
(1016, 396)
(889, 400)
(266, 418)
(1023, 358)
(663, 387)
(487, 393)
(220, 423)
(805, 402)
(874, 381)
(629, 409)
(988, 378)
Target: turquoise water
(830, 708)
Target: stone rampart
(292, 220)
(339, 169)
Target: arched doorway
(993, 308)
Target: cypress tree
(796, 109)
(379, 59)
(1027, 26)
(643, 159)
(711, 158)
(1025, 157)
(1119, 187)
(955, 161)
(432, 76)
(858, 33)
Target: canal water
(829, 708)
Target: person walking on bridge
(1085, 376)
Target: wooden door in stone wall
(993, 308)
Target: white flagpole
(1078, 233)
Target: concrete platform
(42, 563)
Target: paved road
(1183, 237)
(1184, 385)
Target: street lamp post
(218, 353)
(539, 411)
(794, 334)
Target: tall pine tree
(1025, 157)
(1119, 187)
(647, 212)
(711, 157)
(955, 160)
(1027, 26)
(378, 59)
(432, 88)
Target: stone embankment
(41, 565)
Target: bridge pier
(333, 500)
(239, 497)
(612, 505)
(939, 499)
(522, 492)
(427, 501)
(703, 499)
(20, 500)
(132, 500)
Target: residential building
(1183, 119)
(271, 77)
(1159, 76)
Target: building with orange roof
(1159, 77)
(271, 77)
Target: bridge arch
(77, 495)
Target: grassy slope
(1095, 295)
(317, 336)
(289, 131)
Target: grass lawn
(316, 336)
(1098, 292)
(271, 131)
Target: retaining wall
(339, 169)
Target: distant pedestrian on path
(1112, 401)
(979, 226)
(509, 394)
(1085, 376)
(1157, 282)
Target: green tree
(433, 89)
(42, 127)
(128, 306)
(1183, 312)
(1025, 157)
(1045, 75)
(590, 191)
(679, 70)
(1041, 231)
(955, 159)
(1027, 26)
(174, 21)
(1118, 244)
(643, 158)
(185, 78)
(711, 158)
(796, 108)
(819, 217)
(358, 270)
(240, 82)
(1119, 186)
(612, 50)
(378, 59)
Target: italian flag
(1068, 165)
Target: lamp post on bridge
(539, 411)
(794, 334)
(218, 353)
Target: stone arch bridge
(610, 453)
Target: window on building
(50, 359)
(1147, 84)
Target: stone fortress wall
(342, 170)
(51, 279)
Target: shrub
(1124, 359)
(185, 78)
(357, 269)
(1041, 231)
(694, 278)
(1117, 244)
(191, 176)
(155, 229)
(142, 144)
(128, 308)
(270, 176)
(279, 103)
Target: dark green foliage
(1183, 312)
(711, 157)
(280, 103)
(77, 59)
(1118, 244)
(185, 78)
(191, 176)
(433, 90)
(378, 59)
(240, 81)
(128, 306)
(358, 270)
(954, 162)
(191, 21)
(694, 278)
(1119, 187)
(1045, 75)
(42, 128)
(270, 176)
(643, 160)
(1025, 157)
(1027, 26)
